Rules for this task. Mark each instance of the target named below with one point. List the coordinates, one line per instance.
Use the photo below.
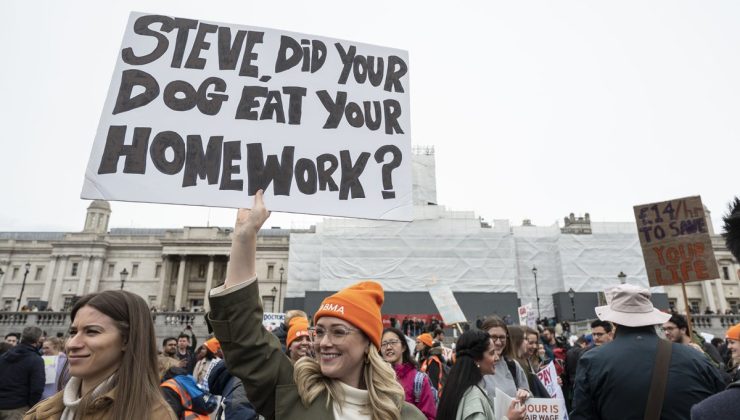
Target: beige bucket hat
(630, 306)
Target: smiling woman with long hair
(347, 380)
(112, 356)
(464, 399)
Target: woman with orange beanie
(347, 380)
(733, 345)
(298, 340)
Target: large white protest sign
(549, 378)
(447, 305)
(527, 316)
(534, 408)
(50, 368)
(207, 113)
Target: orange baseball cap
(359, 305)
(298, 328)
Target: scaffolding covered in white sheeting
(454, 248)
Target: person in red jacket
(418, 388)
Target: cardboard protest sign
(534, 408)
(675, 241)
(272, 320)
(447, 305)
(206, 113)
(549, 378)
(527, 316)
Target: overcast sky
(536, 109)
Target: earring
(477, 365)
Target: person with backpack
(184, 396)
(234, 402)
(510, 377)
(431, 360)
(416, 384)
(519, 352)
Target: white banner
(206, 113)
(534, 408)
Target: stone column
(209, 283)
(49, 278)
(180, 283)
(96, 274)
(721, 295)
(163, 288)
(83, 275)
(707, 289)
(56, 298)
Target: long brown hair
(137, 379)
(516, 337)
(494, 321)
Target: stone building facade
(170, 268)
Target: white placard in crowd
(527, 316)
(549, 378)
(206, 113)
(535, 408)
(50, 368)
(447, 305)
(272, 320)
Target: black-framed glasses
(501, 338)
(390, 343)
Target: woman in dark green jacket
(349, 379)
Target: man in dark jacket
(726, 404)
(613, 381)
(22, 376)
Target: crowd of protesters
(343, 364)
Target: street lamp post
(23, 286)
(622, 277)
(572, 296)
(124, 274)
(274, 293)
(280, 288)
(536, 291)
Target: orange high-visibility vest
(185, 400)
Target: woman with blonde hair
(347, 380)
(53, 347)
(112, 356)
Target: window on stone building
(270, 271)
(734, 305)
(111, 267)
(16, 269)
(695, 305)
(201, 271)
(7, 304)
(152, 301)
(75, 267)
(39, 270)
(269, 303)
(672, 304)
(725, 272)
(157, 271)
(134, 270)
(68, 303)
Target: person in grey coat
(613, 380)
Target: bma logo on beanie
(359, 305)
(332, 307)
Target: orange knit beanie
(426, 338)
(734, 333)
(212, 345)
(359, 305)
(298, 328)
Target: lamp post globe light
(124, 275)
(23, 286)
(572, 296)
(622, 277)
(536, 291)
